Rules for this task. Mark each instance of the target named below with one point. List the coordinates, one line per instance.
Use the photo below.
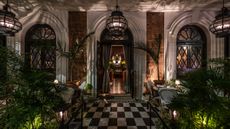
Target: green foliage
(88, 86)
(31, 98)
(74, 52)
(206, 105)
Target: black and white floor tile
(114, 115)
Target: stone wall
(155, 26)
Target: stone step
(121, 98)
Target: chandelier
(9, 24)
(116, 59)
(221, 25)
(116, 23)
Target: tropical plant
(205, 105)
(30, 98)
(154, 51)
(88, 86)
(73, 54)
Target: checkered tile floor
(117, 116)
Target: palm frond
(148, 50)
(72, 53)
(154, 52)
(78, 44)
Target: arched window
(40, 48)
(191, 49)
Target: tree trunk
(158, 71)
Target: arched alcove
(120, 78)
(173, 28)
(137, 25)
(40, 48)
(191, 49)
(54, 19)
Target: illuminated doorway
(117, 70)
(115, 63)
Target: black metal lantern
(9, 24)
(221, 25)
(116, 23)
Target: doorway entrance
(115, 63)
(117, 70)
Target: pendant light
(9, 24)
(221, 25)
(116, 23)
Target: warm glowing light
(177, 82)
(116, 24)
(10, 25)
(61, 114)
(174, 114)
(56, 81)
(184, 48)
(224, 26)
(116, 59)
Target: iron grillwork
(41, 47)
(189, 49)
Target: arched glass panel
(190, 49)
(41, 48)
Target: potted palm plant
(153, 52)
(73, 54)
(88, 88)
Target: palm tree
(73, 53)
(154, 52)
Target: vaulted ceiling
(23, 7)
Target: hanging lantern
(221, 25)
(9, 24)
(116, 23)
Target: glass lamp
(221, 25)
(9, 24)
(116, 23)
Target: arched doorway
(115, 63)
(191, 49)
(40, 48)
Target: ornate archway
(191, 49)
(40, 48)
(108, 68)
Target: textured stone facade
(77, 30)
(155, 26)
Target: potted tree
(154, 53)
(74, 52)
(88, 88)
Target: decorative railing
(153, 108)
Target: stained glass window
(190, 49)
(41, 48)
